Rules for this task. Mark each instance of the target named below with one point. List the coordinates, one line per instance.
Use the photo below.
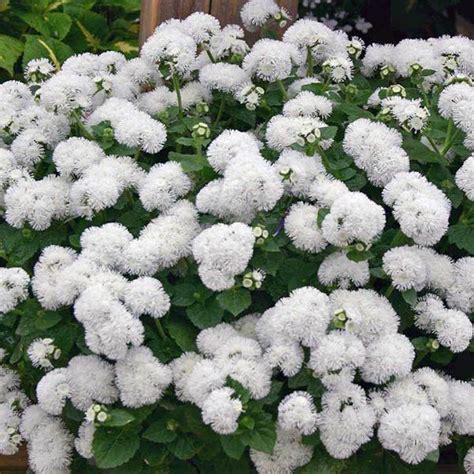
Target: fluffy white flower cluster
(12, 402)
(249, 184)
(14, 284)
(421, 209)
(446, 56)
(225, 351)
(242, 201)
(222, 252)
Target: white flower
(301, 225)
(141, 378)
(228, 42)
(337, 269)
(256, 13)
(368, 314)
(42, 351)
(421, 209)
(452, 328)
(223, 77)
(164, 184)
(412, 431)
(298, 171)
(221, 411)
(468, 462)
(336, 352)
(288, 454)
(376, 149)
(308, 104)
(460, 293)
(391, 355)
(223, 252)
(271, 60)
(353, 218)
(171, 47)
(227, 146)
(13, 288)
(465, 177)
(297, 412)
(146, 295)
(346, 421)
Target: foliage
(169, 435)
(58, 29)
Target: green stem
(210, 56)
(389, 291)
(283, 90)
(419, 358)
(451, 137)
(160, 329)
(309, 62)
(177, 89)
(425, 98)
(220, 112)
(136, 156)
(433, 145)
(81, 126)
(324, 157)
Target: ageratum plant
(223, 258)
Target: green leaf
(462, 235)
(189, 162)
(235, 300)
(263, 435)
(354, 112)
(182, 332)
(10, 51)
(52, 25)
(328, 132)
(232, 446)
(39, 47)
(357, 256)
(442, 356)
(119, 417)
(410, 296)
(205, 315)
(114, 447)
(183, 447)
(158, 432)
(47, 319)
(322, 213)
(419, 152)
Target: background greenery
(59, 28)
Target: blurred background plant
(58, 29)
(392, 20)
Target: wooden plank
(228, 11)
(16, 463)
(154, 12)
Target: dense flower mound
(219, 257)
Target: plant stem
(419, 358)
(433, 145)
(136, 156)
(210, 56)
(324, 157)
(81, 126)
(177, 89)
(282, 89)
(160, 329)
(309, 62)
(389, 291)
(220, 112)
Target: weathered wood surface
(154, 12)
(14, 464)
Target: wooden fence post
(154, 12)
